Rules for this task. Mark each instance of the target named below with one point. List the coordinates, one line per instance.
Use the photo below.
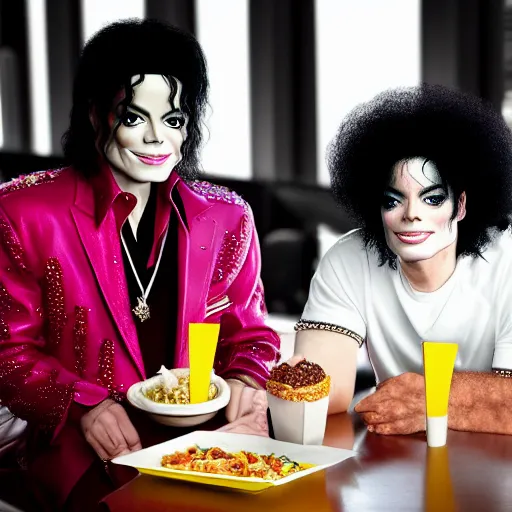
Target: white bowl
(179, 415)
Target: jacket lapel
(105, 256)
(197, 247)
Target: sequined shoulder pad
(29, 180)
(234, 248)
(216, 192)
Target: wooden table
(395, 473)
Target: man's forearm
(480, 402)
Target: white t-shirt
(473, 308)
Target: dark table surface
(395, 473)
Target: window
(362, 47)
(507, 54)
(222, 30)
(38, 77)
(98, 13)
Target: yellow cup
(202, 344)
(438, 363)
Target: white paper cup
(298, 422)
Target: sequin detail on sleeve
(80, 329)
(60, 395)
(233, 252)
(54, 299)
(216, 192)
(5, 307)
(29, 180)
(44, 401)
(12, 245)
(106, 369)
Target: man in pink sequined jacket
(103, 264)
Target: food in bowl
(179, 394)
(174, 389)
(243, 464)
(177, 414)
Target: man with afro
(426, 172)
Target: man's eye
(435, 200)
(131, 119)
(389, 203)
(175, 122)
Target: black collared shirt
(157, 335)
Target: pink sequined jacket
(66, 330)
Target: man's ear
(461, 211)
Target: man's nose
(153, 135)
(412, 211)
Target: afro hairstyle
(469, 142)
(108, 62)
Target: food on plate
(243, 464)
(304, 382)
(174, 389)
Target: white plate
(149, 460)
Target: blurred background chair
(287, 264)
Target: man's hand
(250, 414)
(234, 408)
(397, 407)
(295, 359)
(247, 408)
(109, 431)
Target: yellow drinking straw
(438, 362)
(202, 344)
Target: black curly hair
(469, 142)
(108, 62)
